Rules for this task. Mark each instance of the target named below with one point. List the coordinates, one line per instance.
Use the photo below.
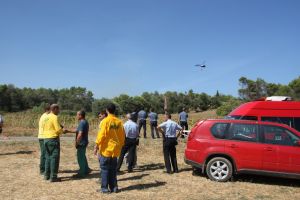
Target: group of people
(113, 141)
(141, 118)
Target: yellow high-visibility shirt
(52, 128)
(111, 136)
(41, 125)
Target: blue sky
(131, 46)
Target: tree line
(13, 99)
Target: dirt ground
(20, 178)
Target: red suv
(222, 148)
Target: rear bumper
(193, 163)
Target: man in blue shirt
(169, 130)
(153, 123)
(81, 142)
(183, 119)
(131, 141)
(142, 116)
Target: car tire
(219, 169)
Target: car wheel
(219, 169)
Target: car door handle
(268, 148)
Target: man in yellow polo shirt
(52, 131)
(109, 143)
(41, 137)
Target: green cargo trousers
(52, 148)
(82, 161)
(42, 156)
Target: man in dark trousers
(169, 130)
(142, 116)
(183, 119)
(153, 123)
(109, 142)
(132, 134)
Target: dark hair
(82, 113)
(103, 112)
(54, 106)
(111, 108)
(168, 115)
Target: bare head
(102, 115)
(167, 116)
(128, 116)
(54, 109)
(80, 115)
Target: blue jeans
(108, 167)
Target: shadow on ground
(138, 177)
(259, 179)
(15, 153)
(266, 180)
(150, 167)
(143, 186)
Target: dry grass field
(20, 178)
(26, 123)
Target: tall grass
(26, 123)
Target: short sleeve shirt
(153, 117)
(142, 115)
(131, 129)
(170, 127)
(83, 127)
(183, 116)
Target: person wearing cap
(109, 142)
(52, 131)
(153, 123)
(132, 134)
(81, 143)
(41, 137)
(169, 130)
(142, 116)
(183, 119)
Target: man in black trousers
(131, 141)
(169, 129)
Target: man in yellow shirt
(109, 143)
(52, 131)
(41, 137)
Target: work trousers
(52, 148)
(169, 149)
(142, 123)
(130, 147)
(184, 125)
(42, 156)
(82, 161)
(153, 126)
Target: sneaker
(52, 180)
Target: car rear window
(219, 130)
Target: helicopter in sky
(202, 66)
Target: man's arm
(100, 137)
(180, 129)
